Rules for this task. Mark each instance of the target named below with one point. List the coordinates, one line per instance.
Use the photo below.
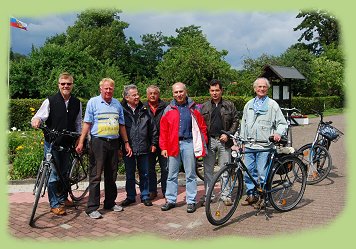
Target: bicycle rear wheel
(42, 176)
(286, 183)
(318, 162)
(79, 177)
(224, 195)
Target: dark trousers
(152, 175)
(141, 162)
(103, 157)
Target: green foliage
(25, 152)
(96, 47)
(193, 61)
(328, 77)
(320, 29)
(21, 111)
(308, 104)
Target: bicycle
(78, 172)
(316, 154)
(288, 115)
(283, 189)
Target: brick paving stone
(321, 205)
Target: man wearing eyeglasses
(61, 111)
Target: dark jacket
(159, 112)
(229, 116)
(141, 129)
(62, 118)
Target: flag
(17, 23)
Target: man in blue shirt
(104, 118)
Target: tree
(301, 58)
(101, 34)
(328, 77)
(145, 57)
(321, 29)
(192, 60)
(251, 69)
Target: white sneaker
(95, 215)
(117, 208)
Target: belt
(185, 138)
(107, 139)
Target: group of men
(172, 134)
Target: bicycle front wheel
(318, 162)
(79, 177)
(224, 194)
(42, 176)
(286, 183)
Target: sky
(242, 34)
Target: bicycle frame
(47, 165)
(241, 165)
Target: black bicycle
(316, 155)
(283, 189)
(77, 188)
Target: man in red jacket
(183, 136)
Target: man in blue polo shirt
(104, 118)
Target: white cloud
(243, 34)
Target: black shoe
(191, 208)
(127, 202)
(147, 202)
(168, 206)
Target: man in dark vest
(61, 111)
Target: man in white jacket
(262, 118)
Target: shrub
(25, 151)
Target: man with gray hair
(143, 139)
(262, 118)
(156, 107)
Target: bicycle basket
(330, 132)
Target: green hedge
(22, 110)
(308, 104)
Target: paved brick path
(321, 205)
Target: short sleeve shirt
(104, 117)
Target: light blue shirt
(104, 117)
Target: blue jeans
(141, 161)
(255, 162)
(187, 157)
(62, 160)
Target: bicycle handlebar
(283, 140)
(321, 114)
(59, 133)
